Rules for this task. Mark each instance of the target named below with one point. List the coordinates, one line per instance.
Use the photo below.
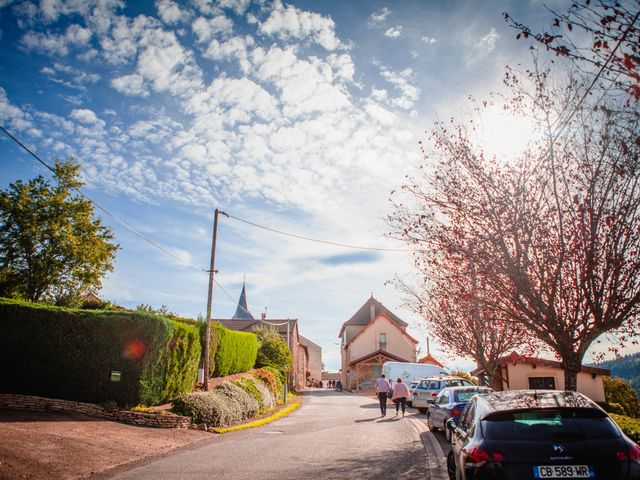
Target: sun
(504, 134)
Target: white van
(411, 371)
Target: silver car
(425, 392)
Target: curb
(263, 421)
(436, 465)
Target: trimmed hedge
(70, 354)
(236, 352)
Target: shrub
(463, 374)
(70, 354)
(183, 358)
(236, 351)
(274, 351)
(630, 426)
(268, 379)
(224, 405)
(258, 391)
(618, 390)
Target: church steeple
(243, 309)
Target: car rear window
(464, 396)
(549, 424)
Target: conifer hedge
(236, 352)
(71, 354)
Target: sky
(299, 116)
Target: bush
(225, 405)
(236, 351)
(258, 391)
(273, 352)
(70, 354)
(618, 391)
(183, 359)
(630, 426)
(268, 379)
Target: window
(542, 383)
(383, 341)
(444, 398)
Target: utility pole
(207, 335)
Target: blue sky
(300, 116)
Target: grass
(263, 421)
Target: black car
(534, 434)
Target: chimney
(263, 315)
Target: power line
(326, 242)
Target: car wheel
(430, 424)
(447, 433)
(422, 410)
(409, 404)
(451, 467)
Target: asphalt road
(332, 436)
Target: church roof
(242, 311)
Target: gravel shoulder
(52, 445)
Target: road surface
(332, 436)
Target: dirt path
(38, 445)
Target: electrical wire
(326, 242)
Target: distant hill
(627, 367)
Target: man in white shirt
(382, 387)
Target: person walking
(400, 395)
(382, 387)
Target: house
(314, 354)
(521, 372)
(287, 328)
(372, 336)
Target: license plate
(563, 471)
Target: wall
(587, 385)
(368, 341)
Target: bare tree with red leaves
(456, 304)
(612, 48)
(554, 236)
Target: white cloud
(379, 16)
(86, 116)
(290, 23)
(238, 6)
(206, 29)
(429, 40)
(488, 42)
(130, 85)
(409, 93)
(167, 65)
(171, 13)
(14, 116)
(393, 32)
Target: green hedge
(236, 352)
(630, 426)
(70, 354)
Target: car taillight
(456, 412)
(632, 453)
(434, 394)
(479, 456)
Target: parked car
(425, 392)
(411, 387)
(450, 403)
(527, 434)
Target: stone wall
(25, 402)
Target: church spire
(243, 309)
